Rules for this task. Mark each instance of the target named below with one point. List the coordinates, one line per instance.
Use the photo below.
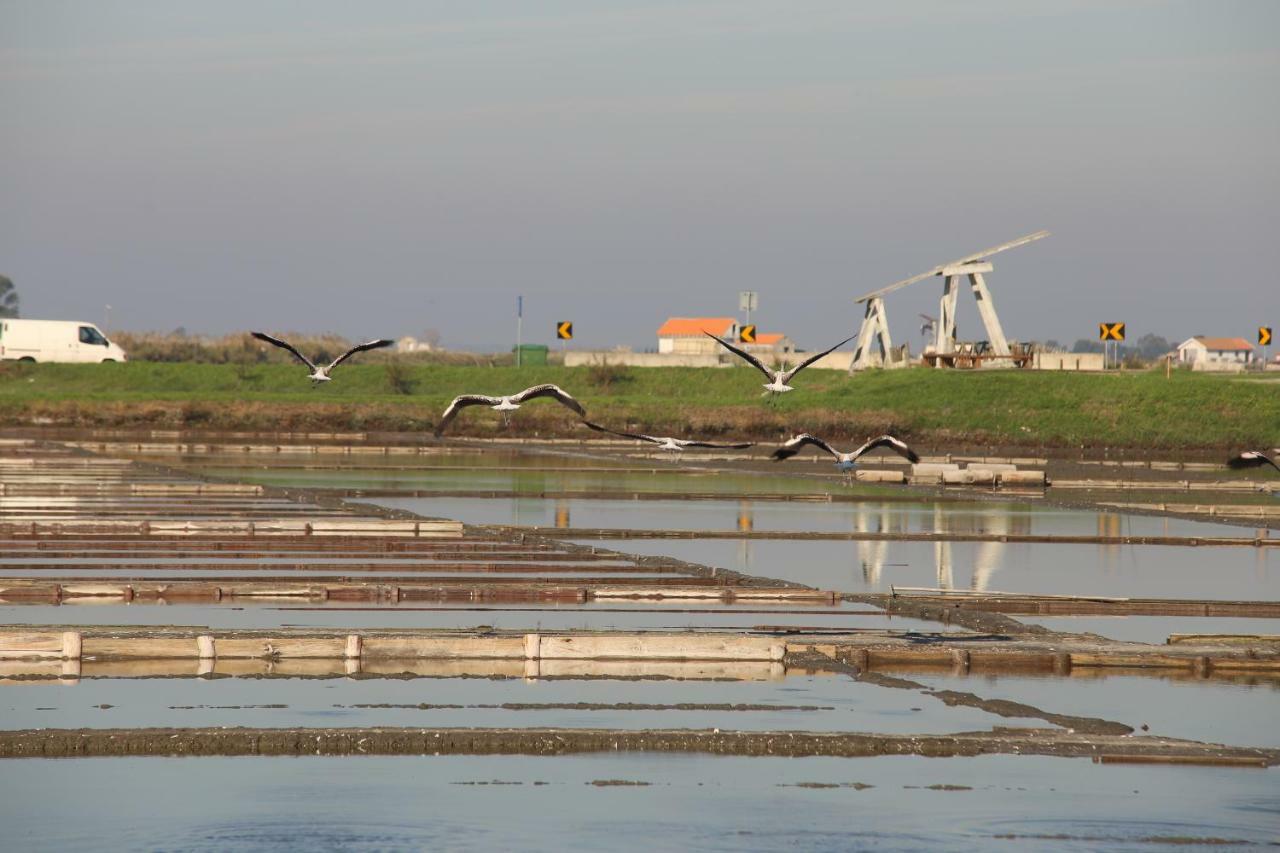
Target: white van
(55, 340)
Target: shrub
(400, 377)
(605, 376)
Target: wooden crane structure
(875, 325)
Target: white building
(1204, 353)
(411, 344)
(686, 335)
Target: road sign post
(564, 331)
(1264, 340)
(747, 334)
(747, 301)
(519, 327)
(1111, 334)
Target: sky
(387, 168)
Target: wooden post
(532, 646)
(353, 647)
(204, 644)
(72, 645)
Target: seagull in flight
(846, 462)
(509, 403)
(668, 443)
(778, 379)
(1252, 459)
(321, 373)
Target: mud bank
(83, 743)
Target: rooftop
(678, 326)
(1223, 343)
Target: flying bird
(1252, 459)
(778, 379)
(509, 403)
(846, 462)
(668, 443)
(321, 373)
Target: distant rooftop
(1221, 344)
(684, 326)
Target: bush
(400, 377)
(605, 376)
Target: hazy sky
(387, 167)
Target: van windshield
(90, 335)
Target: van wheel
(108, 361)
(28, 359)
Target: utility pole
(519, 326)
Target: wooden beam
(938, 270)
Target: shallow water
(831, 703)
(1196, 709)
(690, 802)
(1153, 629)
(869, 516)
(1155, 571)
(532, 481)
(601, 615)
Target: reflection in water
(562, 515)
(872, 554)
(988, 558)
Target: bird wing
(786, 377)
(750, 359)
(897, 446)
(795, 445)
(285, 345)
(637, 436)
(1251, 459)
(553, 391)
(715, 446)
(378, 344)
(461, 402)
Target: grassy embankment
(1137, 409)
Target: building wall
(1191, 352)
(586, 358)
(1202, 358)
(686, 345)
(1068, 361)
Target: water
(532, 481)
(690, 802)
(822, 702)
(1148, 571)
(869, 516)
(1238, 713)
(626, 616)
(1153, 629)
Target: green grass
(1131, 409)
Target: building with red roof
(1204, 353)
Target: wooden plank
(99, 646)
(280, 647)
(1225, 639)
(657, 647)
(375, 646)
(977, 256)
(29, 644)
